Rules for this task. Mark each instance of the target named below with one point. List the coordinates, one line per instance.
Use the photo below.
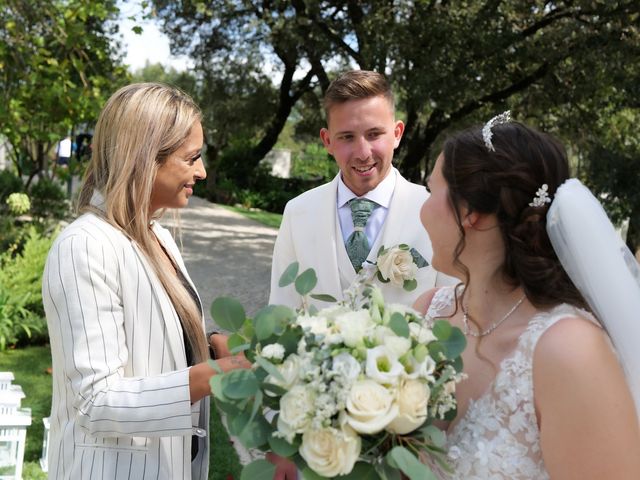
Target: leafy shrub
(48, 200)
(9, 183)
(21, 312)
(16, 321)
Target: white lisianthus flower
(421, 333)
(383, 366)
(346, 366)
(296, 411)
(397, 345)
(397, 265)
(330, 452)
(315, 324)
(273, 352)
(412, 399)
(370, 407)
(353, 326)
(290, 370)
(426, 368)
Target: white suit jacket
(310, 234)
(121, 407)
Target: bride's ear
(470, 219)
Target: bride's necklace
(493, 326)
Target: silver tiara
(486, 130)
(542, 197)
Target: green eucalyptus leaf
(323, 297)
(235, 340)
(362, 471)
(228, 313)
(289, 275)
(410, 285)
(455, 344)
(270, 368)
(215, 382)
(306, 281)
(437, 436)
(399, 325)
(281, 447)
(258, 470)
(238, 422)
(381, 279)
(256, 434)
(239, 384)
(442, 329)
(410, 465)
(309, 474)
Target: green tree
(564, 65)
(58, 62)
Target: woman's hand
(285, 468)
(218, 344)
(200, 374)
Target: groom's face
(361, 136)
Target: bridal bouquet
(349, 391)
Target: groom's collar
(381, 194)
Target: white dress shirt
(381, 195)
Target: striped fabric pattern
(121, 405)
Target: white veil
(603, 269)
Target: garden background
(259, 72)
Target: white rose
(273, 352)
(331, 452)
(290, 370)
(316, 325)
(296, 409)
(344, 365)
(397, 266)
(383, 366)
(412, 399)
(370, 407)
(353, 326)
(421, 333)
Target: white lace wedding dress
(498, 437)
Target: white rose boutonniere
(399, 265)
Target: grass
(30, 367)
(266, 218)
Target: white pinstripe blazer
(121, 407)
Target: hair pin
(542, 197)
(504, 117)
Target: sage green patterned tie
(357, 243)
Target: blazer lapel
(169, 316)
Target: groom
(331, 228)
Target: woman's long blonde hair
(139, 127)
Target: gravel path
(226, 254)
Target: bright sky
(152, 45)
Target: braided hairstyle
(503, 182)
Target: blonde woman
(130, 381)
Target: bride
(545, 394)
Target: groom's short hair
(357, 85)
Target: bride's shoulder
(436, 299)
(572, 340)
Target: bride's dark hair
(503, 182)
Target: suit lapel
(169, 317)
(395, 223)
